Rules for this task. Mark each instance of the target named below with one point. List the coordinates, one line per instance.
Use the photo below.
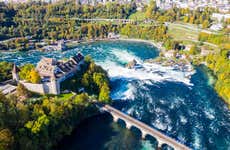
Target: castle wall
(45, 88)
(38, 88)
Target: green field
(65, 96)
(183, 32)
(188, 33)
(139, 16)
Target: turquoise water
(186, 109)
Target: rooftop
(51, 68)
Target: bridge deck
(145, 128)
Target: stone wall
(38, 88)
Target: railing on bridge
(144, 128)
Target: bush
(194, 50)
(22, 91)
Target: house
(61, 45)
(217, 27)
(220, 16)
(52, 73)
(7, 89)
(169, 54)
(113, 35)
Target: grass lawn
(181, 32)
(138, 16)
(188, 33)
(65, 96)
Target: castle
(52, 73)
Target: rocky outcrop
(131, 64)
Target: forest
(59, 20)
(219, 63)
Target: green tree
(152, 8)
(104, 95)
(99, 79)
(81, 99)
(205, 24)
(6, 139)
(5, 71)
(22, 91)
(40, 124)
(194, 50)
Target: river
(188, 110)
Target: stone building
(52, 73)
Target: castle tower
(55, 85)
(15, 72)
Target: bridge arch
(129, 126)
(121, 122)
(152, 139)
(136, 131)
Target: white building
(217, 27)
(169, 54)
(220, 16)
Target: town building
(169, 54)
(112, 35)
(62, 45)
(7, 89)
(217, 27)
(220, 16)
(52, 73)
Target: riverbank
(157, 45)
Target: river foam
(150, 71)
(149, 74)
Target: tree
(205, 24)
(99, 79)
(91, 31)
(6, 139)
(5, 71)
(81, 99)
(194, 50)
(22, 91)
(34, 76)
(37, 125)
(25, 70)
(85, 80)
(152, 8)
(104, 94)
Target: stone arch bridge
(144, 128)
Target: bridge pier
(128, 126)
(143, 134)
(159, 145)
(115, 119)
